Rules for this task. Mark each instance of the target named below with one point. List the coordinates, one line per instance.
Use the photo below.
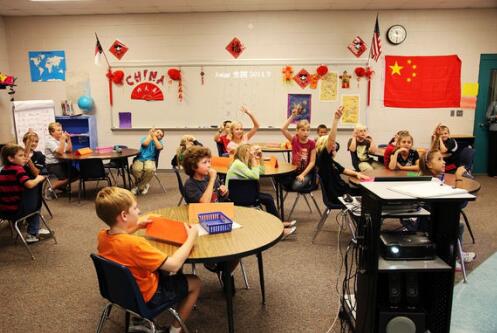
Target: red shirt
(301, 153)
(12, 179)
(389, 150)
(225, 141)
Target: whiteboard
(225, 89)
(35, 115)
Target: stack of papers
(427, 190)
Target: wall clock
(396, 34)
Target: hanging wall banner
(329, 86)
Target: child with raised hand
(237, 135)
(143, 167)
(36, 159)
(247, 165)
(360, 145)
(58, 143)
(303, 154)
(158, 276)
(330, 171)
(404, 158)
(13, 181)
(221, 137)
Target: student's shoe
(290, 224)
(48, 194)
(134, 190)
(140, 325)
(43, 232)
(468, 174)
(458, 267)
(145, 190)
(468, 256)
(288, 233)
(31, 239)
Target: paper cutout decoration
(329, 87)
(117, 76)
(6, 80)
(202, 75)
(322, 70)
(345, 77)
(302, 78)
(468, 89)
(118, 49)
(422, 81)
(287, 72)
(357, 47)
(313, 80)
(147, 91)
(235, 47)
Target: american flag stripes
(375, 50)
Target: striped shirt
(12, 179)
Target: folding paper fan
(147, 91)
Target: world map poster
(47, 66)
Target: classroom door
(487, 92)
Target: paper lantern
(360, 71)
(322, 70)
(174, 74)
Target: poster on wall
(329, 86)
(303, 104)
(350, 109)
(47, 66)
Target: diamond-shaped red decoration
(118, 49)
(235, 47)
(302, 78)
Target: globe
(85, 103)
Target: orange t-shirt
(136, 253)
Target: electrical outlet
(459, 113)
(452, 113)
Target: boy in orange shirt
(158, 276)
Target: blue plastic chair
(119, 287)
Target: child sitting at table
(329, 170)
(237, 135)
(360, 145)
(143, 167)
(404, 158)
(303, 154)
(221, 137)
(58, 144)
(13, 181)
(390, 148)
(158, 276)
(247, 165)
(36, 159)
(186, 142)
(432, 164)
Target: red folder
(169, 231)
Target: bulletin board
(224, 90)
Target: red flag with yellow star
(422, 81)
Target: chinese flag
(422, 82)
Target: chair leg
(103, 317)
(245, 280)
(323, 219)
(316, 204)
(293, 207)
(16, 227)
(466, 221)
(180, 200)
(160, 183)
(48, 228)
(180, 321)
(461, 261)
(51, 187)
(307, 202)
(46, 207)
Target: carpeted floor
(58, 292)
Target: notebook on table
(166, 230)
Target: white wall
(301, 35)
(6, 133)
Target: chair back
(331, 203)
(181, 187)
(355, 160)
(244, 192)
(32, 198)
(220, 149)
(118, 285)
(157, 155)
(92, 169)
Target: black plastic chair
(119, 287)
(220, 149)
(181, 187)
(244, 192)
(118, 164)
(34, 196)
(314, 186)
(91, 170)
(330, 205)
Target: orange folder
(227, 208)
(166, 230)
(84, 151)
(272, 163)
(221, 161)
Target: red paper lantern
(174, 74)
(117, 77)
(322, 70)
(360, 71)
(368, 73)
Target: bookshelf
(83, 130)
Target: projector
(407, 246)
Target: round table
(269, 171)
(470, 185)
(259, 232)
(124, 155)
(275, 148)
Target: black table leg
(228, 293)
(129, 173)
(261, 276)
(68, 186)
(282, 203)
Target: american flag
(375, 50)
(98, 52)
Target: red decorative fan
(147, 91)
(302, 78)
